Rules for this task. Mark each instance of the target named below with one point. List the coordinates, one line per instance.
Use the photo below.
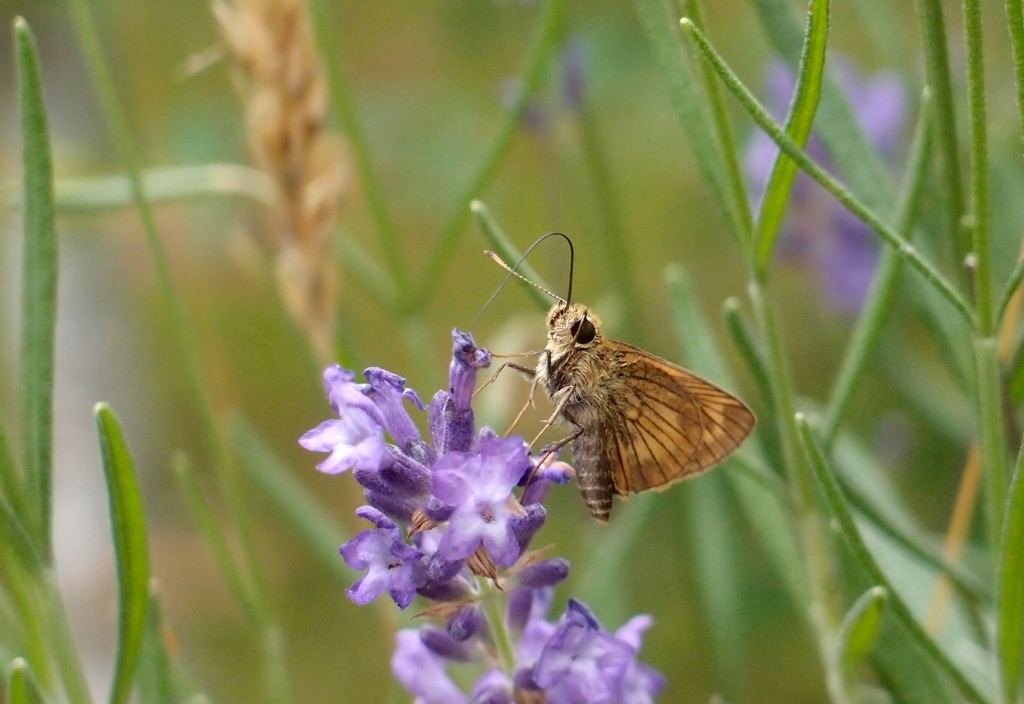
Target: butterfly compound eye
(583, 331)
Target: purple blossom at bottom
(445, 519)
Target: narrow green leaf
(659, 23)
(156, 682)
(39, 287)
(508, 251)
(859, 629)
(724, 132)
(21, 685)
(935, 45)
(1009, 289)
(753, 353)
(128, 522)
(1010, 621)
(798, 126)
(851, 534)
(12, 483)
(757, 111)
(837, 125)
(14, 533)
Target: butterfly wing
(668, 423)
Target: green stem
(499, 628)
(825, 612)
(992, 435)
(981, 215)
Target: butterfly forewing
(671, 424)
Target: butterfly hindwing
(672, 424)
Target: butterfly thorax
(575, 364)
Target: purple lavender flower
(387, 390)
(819, 231)
(356, 439)
(389, 563)
(445, 516)
(583, 664)
(479, 486)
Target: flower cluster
(448, 526)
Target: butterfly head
(573, 325)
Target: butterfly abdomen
(594, 479)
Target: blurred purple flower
(422, 671)
(819, 232)
(538, 111)
(574, 74)
(535, 112)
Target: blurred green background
(426, 80)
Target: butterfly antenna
(512, 272)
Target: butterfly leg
(526, 371)
(559, 409)
(528, 404)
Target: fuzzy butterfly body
(640, 422)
